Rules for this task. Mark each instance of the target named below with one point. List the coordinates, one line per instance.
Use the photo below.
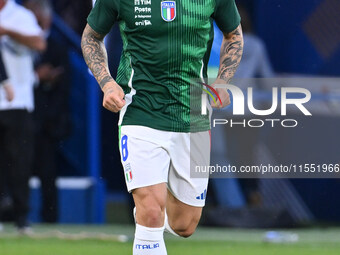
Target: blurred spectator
(4, 81)
(9, 96)
(67, 10)
(255, 61)
(52, 115)
(19, 35)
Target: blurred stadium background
(302, 38)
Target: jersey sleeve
(103, 16)
(226, 15)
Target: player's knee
(155, 216)
(151, 216)
(150, 207)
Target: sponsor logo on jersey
(142, 2)
(128, 172)
(143, 23)
(142, 9)
(168, 10)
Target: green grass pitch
(102, 240)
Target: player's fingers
(121, 94)
(216, 104)
(110, 99)
(225, 98)
(109, 105)
(228, 98)
(115, 103)
(117, 100)
(226, 102)
(112, 108)
(120, 103)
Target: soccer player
(166, 44)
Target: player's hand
(223, 94)
(9, 92)
(113, 97)
(225, 98)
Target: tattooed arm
(95, 56)
(230, 57)
(231, 54)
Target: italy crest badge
(168, 10)
(128, 172)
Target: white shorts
(150, 156)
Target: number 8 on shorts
(125, 153)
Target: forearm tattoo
(95, 55)
(231, 54)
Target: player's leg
(150, 209)
(181, 218)
(150, 205)
(146, 166)
(187, 193)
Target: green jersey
(166, 45)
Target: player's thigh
(187, 193)
(145, 161)
(146, 166)
(150, 204)
(188, 152)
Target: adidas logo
(202, 196)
